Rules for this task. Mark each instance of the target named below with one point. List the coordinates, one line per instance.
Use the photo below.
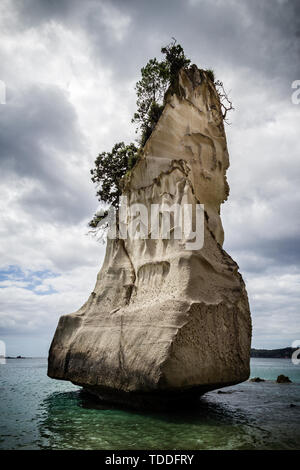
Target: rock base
(159, 400)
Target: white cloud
(117, 22)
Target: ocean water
(40, 413)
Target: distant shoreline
(283, 353)
(23, 357)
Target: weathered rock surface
(164, 322)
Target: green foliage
(132, 157)
(97, 218)
(109, 169)
(211, 74)
(156, 79)
(175, 59)
(150, 92)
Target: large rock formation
(165, 322)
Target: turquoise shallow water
(40, 413)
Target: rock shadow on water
(77, 420)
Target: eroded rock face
(164, 322)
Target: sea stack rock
(165, 322)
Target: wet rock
(283, 379)
(257, 379)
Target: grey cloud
(38, 120)
(257, 251)
(34, 12)
(39, 134)
(267, 257)
(262, 36)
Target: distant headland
(284, 353)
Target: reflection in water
(77, 420)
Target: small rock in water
(292, 405)
(283, 379)
(257, 379)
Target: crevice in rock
(131, 286)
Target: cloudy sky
(69, 69)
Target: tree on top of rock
(156, 79)
(111, 167)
